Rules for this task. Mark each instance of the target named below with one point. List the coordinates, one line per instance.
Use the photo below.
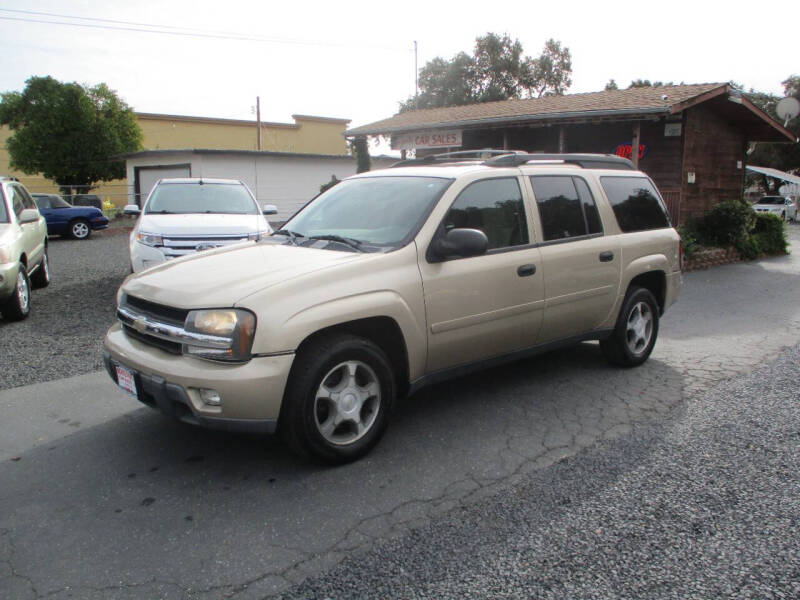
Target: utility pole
(258, 119)
(416, 77)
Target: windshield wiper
(160, 212)
(288, 233)
(352, 242)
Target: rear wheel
(18, 306)
(41, 277)
(636, 330)
(338, 399)
(80, 229)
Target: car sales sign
(427, 139)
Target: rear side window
(636, 203)
(566, 207)
(495, 207)
(3, 212)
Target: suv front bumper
(8, 279)
(251, 392)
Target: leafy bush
(729, 224)
(688, 235)
(770, 234)
(749, 248)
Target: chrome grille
(176, 245)
(162, 326)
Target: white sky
(355, 59)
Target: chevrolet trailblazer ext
(392, 280)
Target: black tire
(632, 340)
(18, 306)
(308, 417)
(41, 277)
(79, 229)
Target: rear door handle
(606, 256)
(526, 270)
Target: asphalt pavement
(559, 477)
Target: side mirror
(459, 243)
(269, 209)
(29, 215)
(131, 209)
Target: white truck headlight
(149, 239)
(220, 334)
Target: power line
(116, 25)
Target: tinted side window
(42, 202)
(566, 207)
(27, 200)
(3, 212)
(593, 224)
(16, 200)
(635, 202)
(495, 207)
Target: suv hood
(223, 277)
(201, 224)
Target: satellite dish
(788, 109)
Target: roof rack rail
(587, 161)
(460, 155)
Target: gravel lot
(63, 336)
(704, 506)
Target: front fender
(379, 303)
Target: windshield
(383, 211)
(771, 200)
(188, 198)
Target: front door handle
(526, 270)
(606, 256)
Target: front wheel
(338, 399)
(636, 330)
(41, 277)
(80, 229)
(18, 306)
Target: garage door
(146, 177)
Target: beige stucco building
(307, 135)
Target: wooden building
(691, 139)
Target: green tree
(360, 148)
(782, 156)
(637, 83)
(69, 132)
(611, 85)
(497, 70)
(550, 73)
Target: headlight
(149, 239)
(224, 334)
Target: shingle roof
(630, 101)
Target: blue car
(64, 219)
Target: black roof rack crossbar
(587, 161)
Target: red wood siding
(712, 147)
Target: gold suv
(23, 250)
(395, 279)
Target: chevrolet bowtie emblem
(140, 324)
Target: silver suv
(395, 279)
(23, 249)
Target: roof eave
(563, 116)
